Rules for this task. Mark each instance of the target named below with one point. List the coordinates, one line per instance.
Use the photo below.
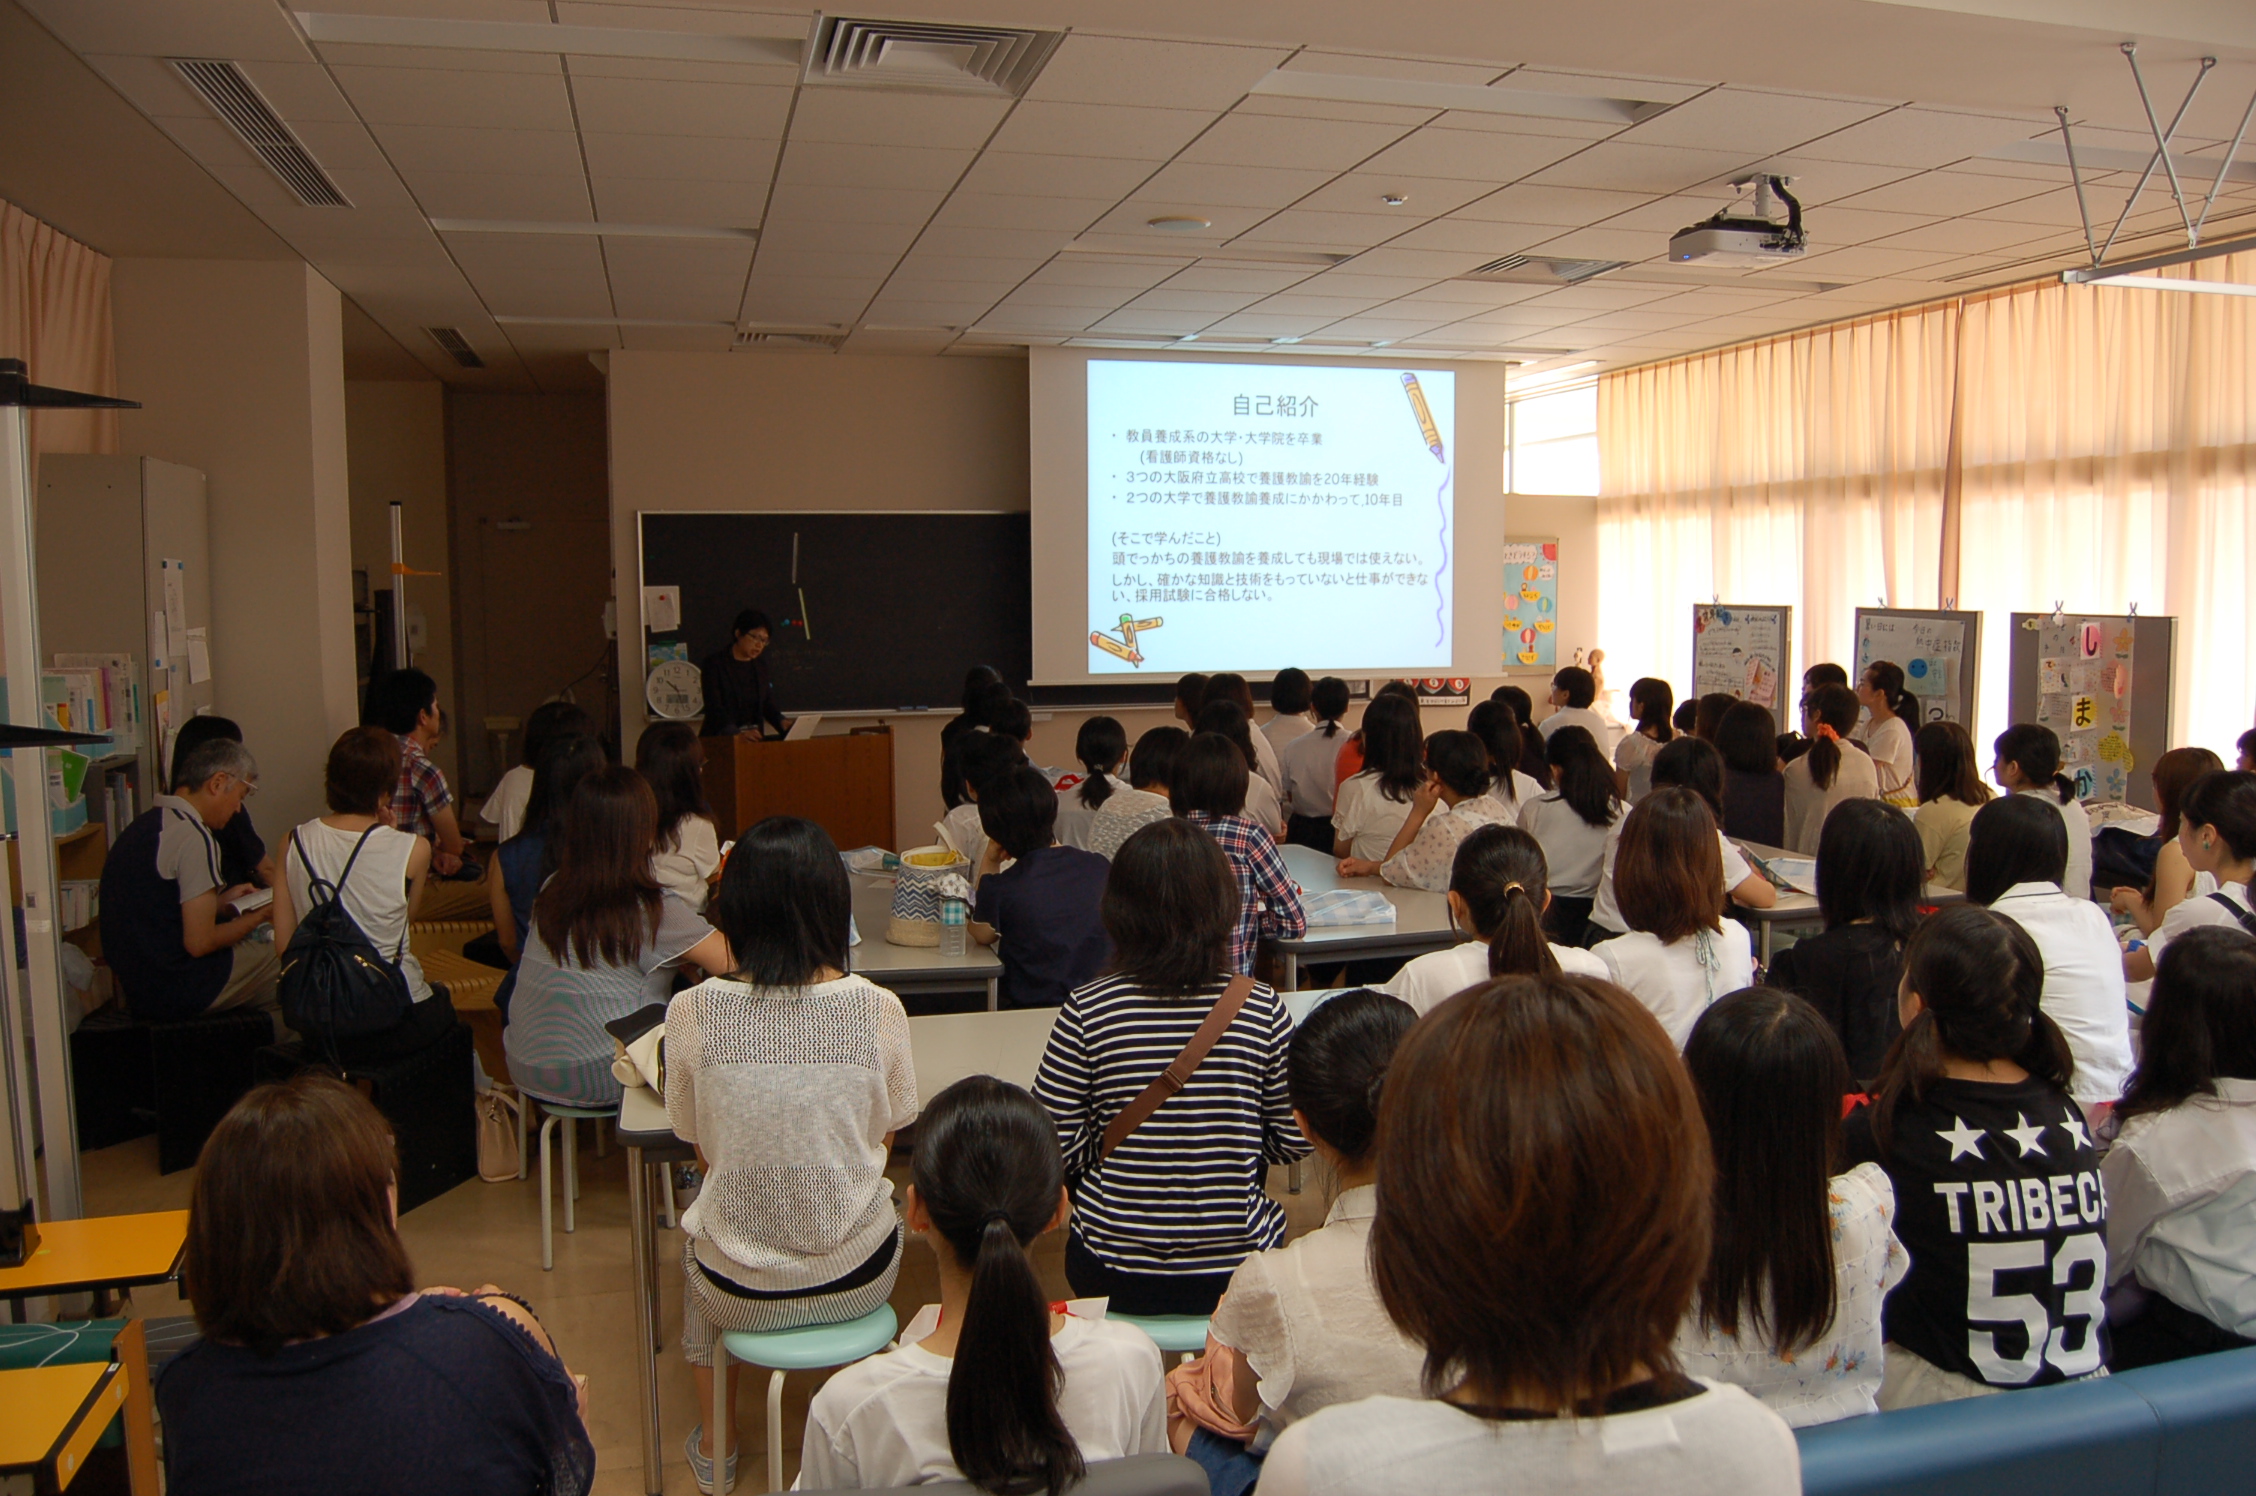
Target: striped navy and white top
(1183, 1193)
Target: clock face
(675, 690)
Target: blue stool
(807, 1349)
(571, 1116)
(1175, 1334)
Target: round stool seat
(581, 1113)
(1177, 1334)
(813, 1346)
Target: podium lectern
(842, 784)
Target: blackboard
(2102, 683)
(895, 606)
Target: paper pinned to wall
(160, 651)
(175, 607)
(199, 656)
(661, 609)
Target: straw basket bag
(916, 894)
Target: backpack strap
(325, 892)
(2247, 918)
(1180, 1069)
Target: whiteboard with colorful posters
(1531, 604)
(1940, 653)
(1741, 651)
(2102, 684)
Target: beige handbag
(497, 1135)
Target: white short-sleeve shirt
(1365, 818)
(1573, 850)
(2083, 983)
(1426, 982)
(1678, 981)
(2198, 908)
(1607, 912)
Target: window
(1552, 441)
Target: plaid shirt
(421, 792)
(1268, 902)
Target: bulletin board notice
(2102, 683)
(1741, 651)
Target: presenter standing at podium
(739, 692)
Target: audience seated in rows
(1452, 802)
(1209, 791)
(243, 855)
(525, 861)
(671, 760)
(1041, 912)
(1572, 821)
(1498, 889)
(1689, 763)
(1832, 771)
(1154, 764)
(1950, 791)
(504, 807)
(1101, 748)
(1868, 888)
(2216, 840)
(405, 702)
(1680, 954)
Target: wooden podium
(842, 784)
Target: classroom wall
(239, 366)
(528, 495)
(395, 443)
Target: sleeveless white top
(376, 897)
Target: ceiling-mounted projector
(1759, 239)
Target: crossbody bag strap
(1180, 1069)
(2247, 919)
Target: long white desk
(1421, 919)
(912, 970)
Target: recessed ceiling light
(603, 230)
(1393, 199)
(1179, 224)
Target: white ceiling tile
(1432, 264)
(1366, 192)
(1749, 122)
(1541, 203)
(1473, 296)
(218, 148)
(485, 101)
(1242, 139)
(822, 164)
(1153, 321)
(1863, 260)
(578, 337)
(1599, 296)
(734, 111)
(669, 70)
(342, 145)
(813, 300)
(441, 148)
(1059, 128)
(798, 264)
(1943, 194)
(2057, 209)
(1325, 230)
(1840, 224)
(682, 339)
(968, 268)
(1369, 65)
(1304, 303)
(652, 200)
(1267, 324)
(1526, 124)
(1223, 278)
(534, 275)
(1964, 236)
(374, 226)
(1039, 319)
(1917, 136)
(1245, 186)
(177, 28)
(1469, 155)
(480, 194)
(800, 203)
(1817, 183)
(1042, 293)
(1280, 107)
(1665, 215)
(1080, 270)
(1019, 174)
(952, 239)
(890, 240)
(860, 116)
(1133, 217)
(681, 279)
(900, 340)
(1213, 303)
(672, 158)
(1088, 68)
(446, 59)
(905, 314)
(1626, 167)
(1382, 327)
(1604, 85)
(1371, 288)
(996, 211)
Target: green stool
(1175, 1334)
(808, 1349)
(554, 1112)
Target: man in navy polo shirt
(168, 927)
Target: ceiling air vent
(457, 346)
(235, 99)
(820, 342)
(925, 55)
(1526, 270)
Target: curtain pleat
(55, 316)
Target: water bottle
(952, 915)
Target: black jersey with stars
(1999, 1203)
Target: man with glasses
(170, 927)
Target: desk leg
(994, 994)
(1292, 971)
(646, 1314)
(1769, 940)
(131, 1349)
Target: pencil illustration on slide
(1125, 646)
(1434, 444)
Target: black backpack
(335, 984)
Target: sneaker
(701, 1464)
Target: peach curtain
(55, 316)
(2091, 446)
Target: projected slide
(1250, 517)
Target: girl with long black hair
(1571, 821)
(2028, 763)
(1887, 736)
(1374, 802)
(1802, 1255)
(1833, 770)
(671, 761)
(992, 1384)
(1498, 890)
(1102, 747)
(1651, 701)
(1308, 761)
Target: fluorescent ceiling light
(538, 36)
(1345, 88)
(606, 322)
(2049, 152)
(1219, 258)
(602, 230)
(2158, 283)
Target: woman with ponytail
(1833, 770)
(1498, 728)
(994, 1384)
(2028, 763)
(1887, 737)
(1307, 762)
(1102, 748)
(1571, 822)
(1998, 1195)
(1301, 1327)
(1498, 890)
(1651, 701)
